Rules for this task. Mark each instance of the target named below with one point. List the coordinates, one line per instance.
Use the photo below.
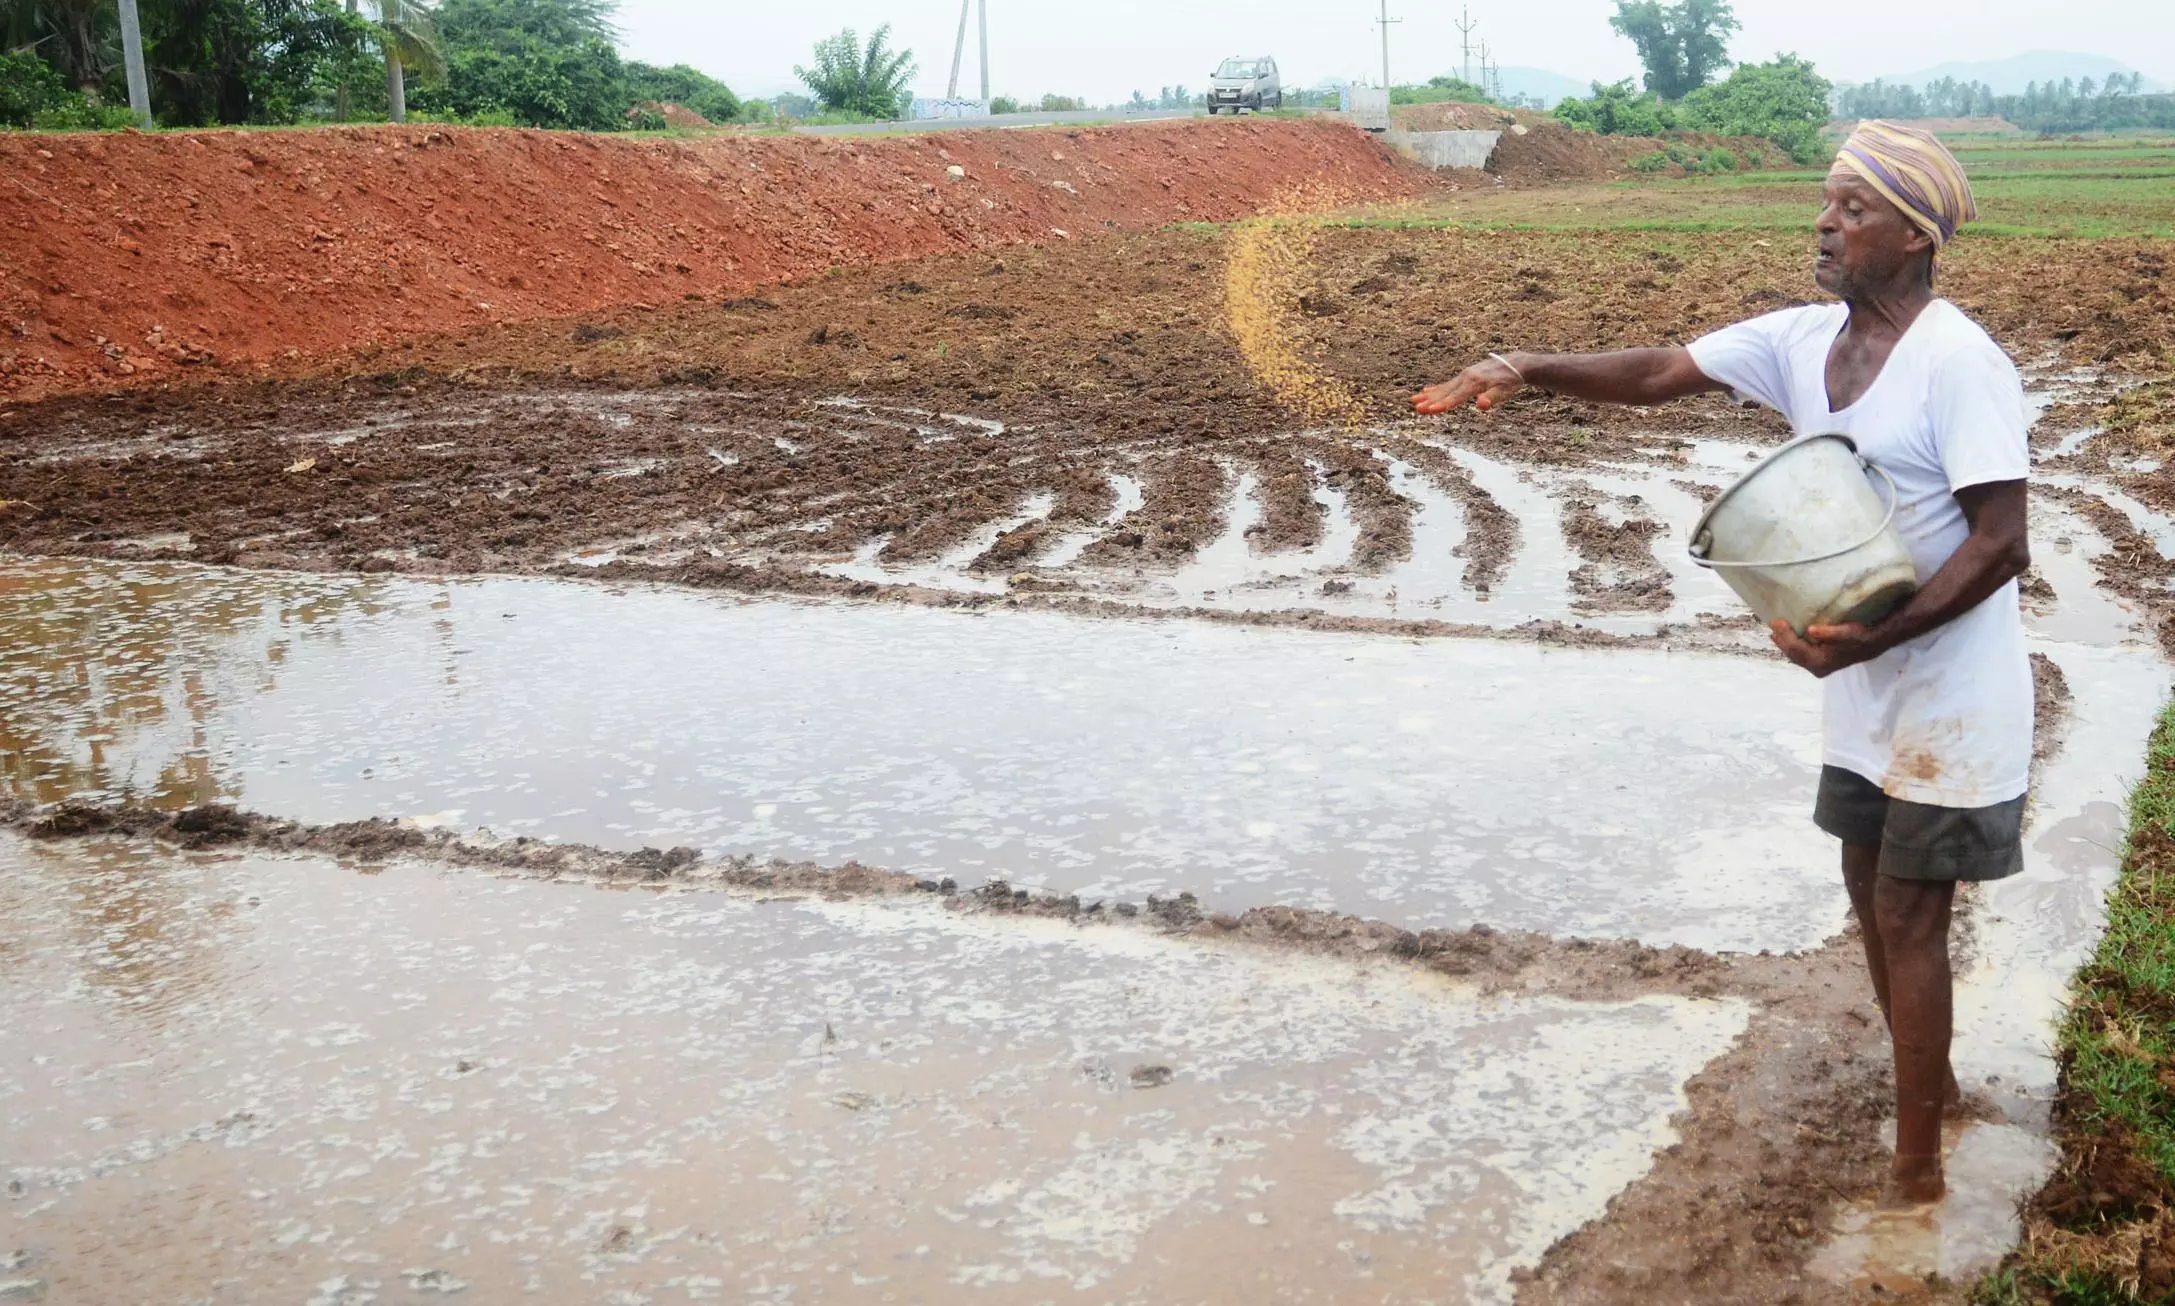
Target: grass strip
(2102, 1232)
(2119, 1041)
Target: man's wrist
(1888, 632)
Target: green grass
(2117, 1045)
(2019, 1287)
(2120, 1035)
(2056, 189)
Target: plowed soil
(131, 257)
(487, 448)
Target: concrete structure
(1446, 149)
(927, 108)
(1369, 107)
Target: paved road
(1099, 117)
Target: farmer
(1928, 712)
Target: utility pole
(1386, 20)
(1465, 26)
(339, 96)
(959, 51)
(139, 86)
(982, 7)
(1484, 68)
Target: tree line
(526, 63)
(1684, 47)
(2117, 104)
(534, 63)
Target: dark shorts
(1919, 841)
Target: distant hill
(1542, 84)
(1532, 83)
(2010, 76)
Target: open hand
(1485, 385)
(1825, 650)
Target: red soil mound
(1547, 152)
(135, 256)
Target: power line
(959, 51)
(1386, 20)
(1465, 26)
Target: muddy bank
(137, 257)
(1780, 1132)
(1494, 960)
(1619, 572)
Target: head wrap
(1914, 171)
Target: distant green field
(2077, 189)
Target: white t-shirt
(1946, 718)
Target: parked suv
(1245, 84)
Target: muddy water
(280, 1080)
(1436, 782)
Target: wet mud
(1491, 531)
(1619, 572)
(2051, 699)
(988, 406)
(460, 1082)
(1495, 961)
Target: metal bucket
(1805, 537)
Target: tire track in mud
(766, 488)
(1619, 572)
(1183, 509)
(1491, 531)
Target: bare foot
(1913, 1181)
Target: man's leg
(1861, 870)
(1913, 919)
(1861, 864)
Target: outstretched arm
(1626, 376)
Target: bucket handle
(1871, 536)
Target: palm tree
(411, 41)
(77, 37)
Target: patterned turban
(1914, 171)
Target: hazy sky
(1106, 49)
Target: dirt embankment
(144, 256)
(1548, 152)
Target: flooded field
(1513, 967)
(303, 1083)
(1427, 782)
(1423, 783)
